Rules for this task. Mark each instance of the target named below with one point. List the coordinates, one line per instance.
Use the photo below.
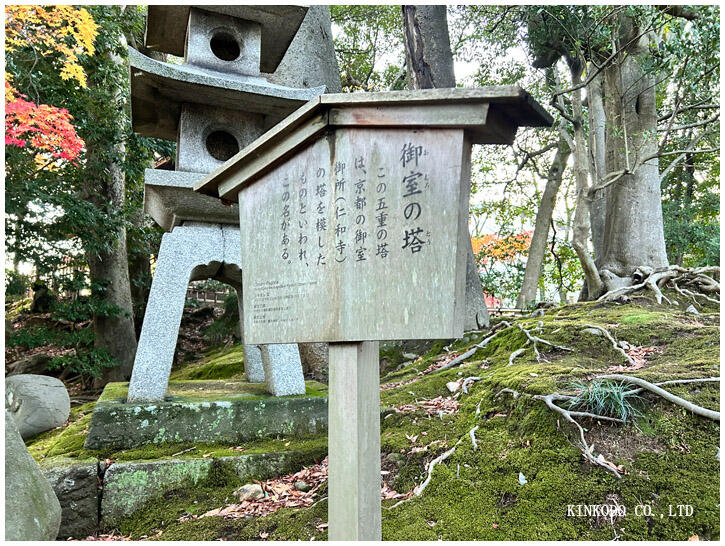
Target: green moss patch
(217, 364)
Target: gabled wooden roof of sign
(166, 28)
(490, 115)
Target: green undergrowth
(160, 519)
(525, 471)
(518, 483)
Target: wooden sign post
(354, 229)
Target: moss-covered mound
(525, 478)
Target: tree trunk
(537, 248)
(428, 47)
(115, 334)
(581, 227)
(106, 188)
(139, 270)
(597, 164)
(634, 229)
(430, 65)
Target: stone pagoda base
(205, 412)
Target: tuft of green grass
(607, 398)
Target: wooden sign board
(361, 235)
(353, 217)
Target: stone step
(95, 497)
(212, 411)
(130, 486)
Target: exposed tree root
(615, 343)
(467, 382)
(571, 416)
(472, 434)
(419, 489)
(693, 283)
(689, 406)
(549, 400)
(534, 340)
(501, 326)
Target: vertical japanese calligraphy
(356, 238)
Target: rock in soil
(249, 491)
(302, 486)
(32, 511)
(37, 402)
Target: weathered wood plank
(354, 508)
(443, 115)
(513, 106)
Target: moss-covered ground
(525, 472)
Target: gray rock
(410, 356)
(592, 331)
(34, 364)
(37, 402)
(691, 310)
(315, 359)
(302, 486)
(32, 511)
(249, 491)
(396, 458)
(230, 419)
(76, 486)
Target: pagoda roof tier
(158, 89)
(169, 199)
(166, 28)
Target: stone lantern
(213, 104)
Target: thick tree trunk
(537, 249)
(430, 65)
(597, 164)
(106, 188)
(634, 229)
(428, 47)
(115, 334)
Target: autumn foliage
(494, 248)
(64, 32)
(59, 33)
(46, 129)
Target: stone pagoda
(213, 104)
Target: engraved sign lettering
(356, 237)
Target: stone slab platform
(205, 412)
(130, 486)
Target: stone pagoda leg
(193, 251)
(253, 367)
